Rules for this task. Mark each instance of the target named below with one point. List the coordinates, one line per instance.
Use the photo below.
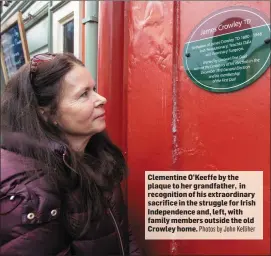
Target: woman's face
(80, 109)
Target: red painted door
(163, 121)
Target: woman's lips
(101, 116)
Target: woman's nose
(100, 100)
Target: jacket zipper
(118, 231)
(112, 216)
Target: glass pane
(68, 37)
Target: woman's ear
(44, 112)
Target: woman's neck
(78, 143)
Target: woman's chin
(100, 127)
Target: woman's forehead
(79, 77)
(78, 74)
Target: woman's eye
(95, 89)
(84, 94)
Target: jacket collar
(19, 142)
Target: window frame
(61, 16)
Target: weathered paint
(110, 68)
(165, 122)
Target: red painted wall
(165, 122)
(110, 68)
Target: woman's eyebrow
(81, 89)
(86, 87)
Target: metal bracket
(90, 19)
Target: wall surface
(163, 121)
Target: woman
(60, 174)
